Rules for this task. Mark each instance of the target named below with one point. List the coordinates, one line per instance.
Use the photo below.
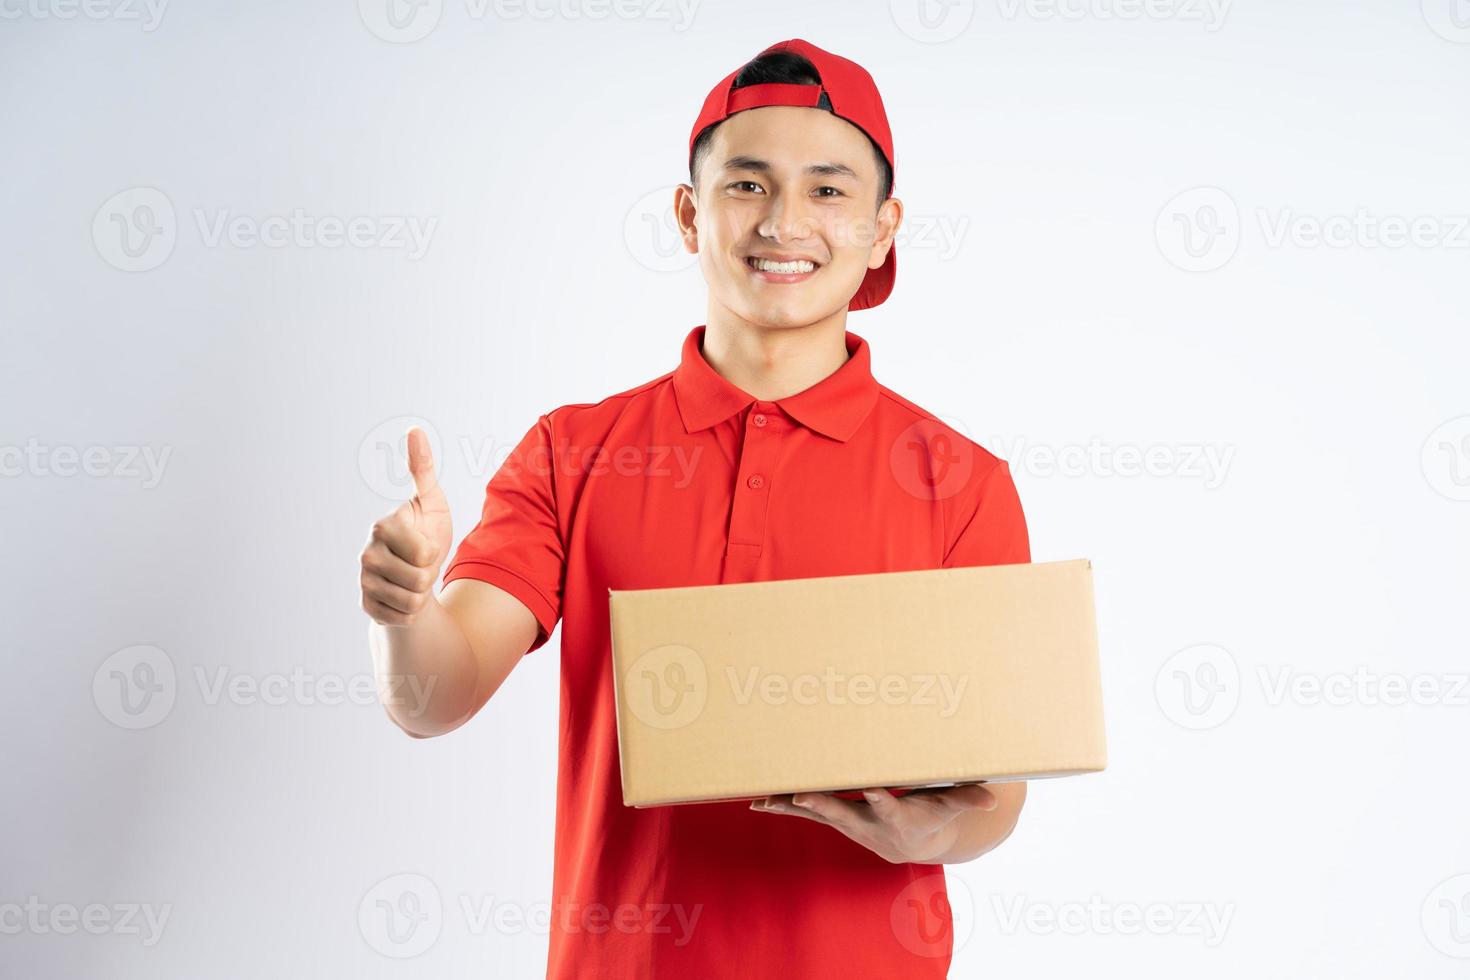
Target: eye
(828, 187)
(747, 185)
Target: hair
(789, 68)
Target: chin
(784, 314)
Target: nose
(785, 219)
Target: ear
(890, 216)
(684, 212)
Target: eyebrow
(816, 169)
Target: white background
(1057, 296)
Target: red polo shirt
(688, 480)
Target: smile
(794, 270)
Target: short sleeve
(517, 546)
(993, 531)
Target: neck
(770, 363)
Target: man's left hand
(919, 827)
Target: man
(770, 452)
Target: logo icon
(1198, 230)
(135, 687)
(135, 230)
(1198, 687)
(652, 234)
(933, 916)
(932, 459)
(1450, 19)
(667, 686)
(400, 21)
(382, 458)
(1445, 459)
(1445, 917)
(932, 21)
(401, 916)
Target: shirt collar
(834, 406)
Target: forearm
(427, 672)
(980, 831)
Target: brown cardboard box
(897, 679)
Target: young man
(770, 452)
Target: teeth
(784, 268)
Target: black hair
(789, 68)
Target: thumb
(421, 462)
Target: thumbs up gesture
(406, 549)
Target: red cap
(850, 93)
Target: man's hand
(401, 561)
(925, 826)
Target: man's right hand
(406, 549)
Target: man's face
(786, 184)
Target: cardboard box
(899, 679)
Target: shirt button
(756, 481)
(758, 420)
